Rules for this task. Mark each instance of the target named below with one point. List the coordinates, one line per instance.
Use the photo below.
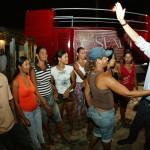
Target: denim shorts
(51, 101)
(104, 123)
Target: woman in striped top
(41, 77)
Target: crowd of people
(99, 85)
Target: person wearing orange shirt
(27, 103)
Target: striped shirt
(43, 80)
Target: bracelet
(124, 24)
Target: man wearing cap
(98, 93)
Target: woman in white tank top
(80, 76)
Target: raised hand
(120, 12)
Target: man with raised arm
(142, 116)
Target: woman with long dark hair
(40, 75)
(64, 78)
(129, 80)
(26, 102)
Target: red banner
(100, 38)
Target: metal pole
(96, 2)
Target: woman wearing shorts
(64, 78)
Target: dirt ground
(80, 142)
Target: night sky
(12, 13)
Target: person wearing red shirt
(129, 80)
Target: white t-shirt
(62, 78)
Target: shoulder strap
(78, 64)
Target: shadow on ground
(80, 142)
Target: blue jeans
(104, 122)
(141, 118)
(16, 137)
(50, 100)
(35, 130)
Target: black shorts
(124, 101)
(70, 98)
